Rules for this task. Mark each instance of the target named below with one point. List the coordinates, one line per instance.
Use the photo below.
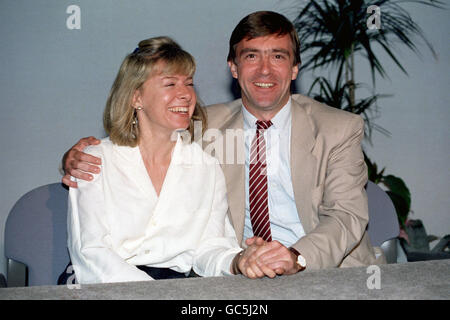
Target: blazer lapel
(303, 163)
(235, 171)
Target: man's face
(264, 69)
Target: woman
(155, 211)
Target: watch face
(301, 261)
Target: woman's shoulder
(100, 149)
(197, 150)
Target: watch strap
(297, 254)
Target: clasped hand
(262, 258)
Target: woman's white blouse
(117, 221)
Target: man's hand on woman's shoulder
(78, 164)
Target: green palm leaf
(330, 31)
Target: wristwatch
(301, 262)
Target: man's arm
(343, 211)
(78, 164)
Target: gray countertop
(412, 280)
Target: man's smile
(264, 84)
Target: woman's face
(167, 101)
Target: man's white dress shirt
(117, 221)
(285, 223)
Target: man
(303, 204)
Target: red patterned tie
(258, 197)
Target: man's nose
(264, 66)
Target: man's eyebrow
(281, 50)
(276, 50)
(247, 50)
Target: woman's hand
(247, 262)
(276, 256)
(263, 258)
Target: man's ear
(233, 69)
(295, 72)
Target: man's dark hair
(260, 24)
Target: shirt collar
(279, 121)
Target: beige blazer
(328, 176)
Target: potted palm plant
(332, 33)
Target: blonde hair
(119, 117)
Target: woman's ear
(137, 99)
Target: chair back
(383, 222)
(36, 233)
